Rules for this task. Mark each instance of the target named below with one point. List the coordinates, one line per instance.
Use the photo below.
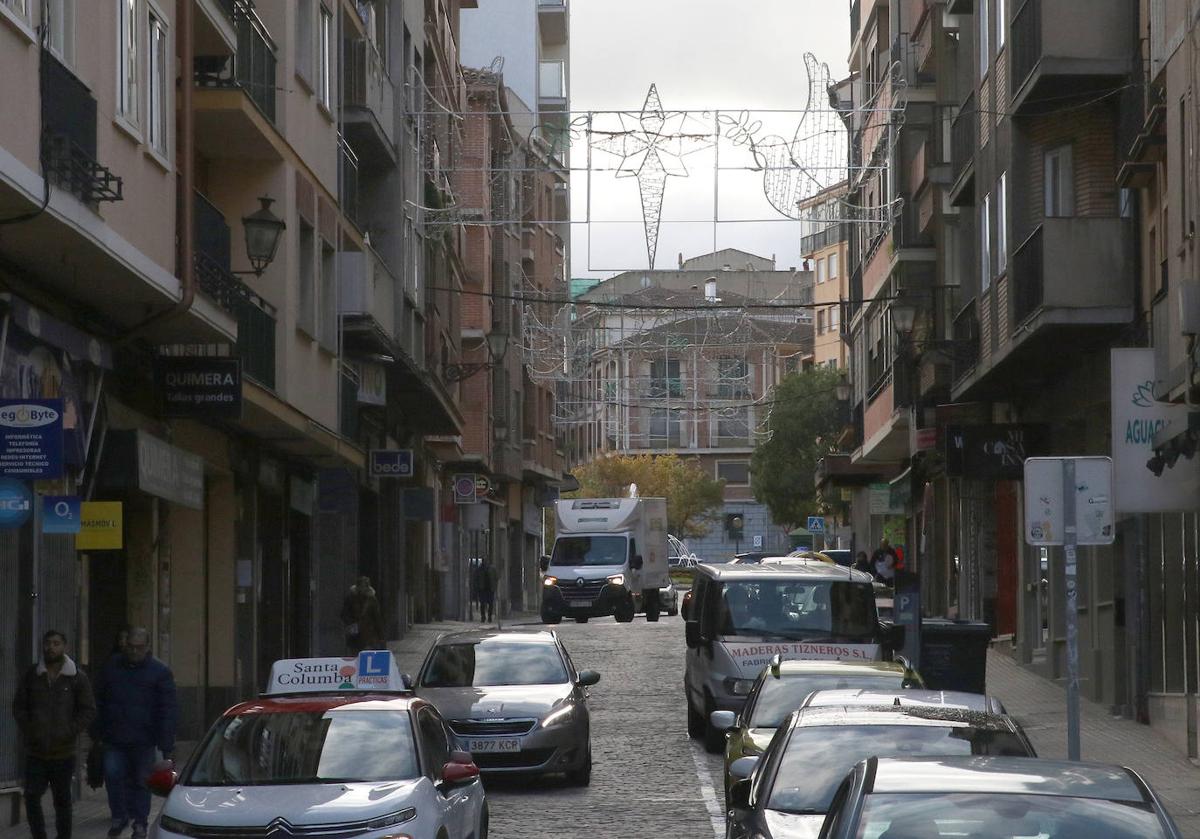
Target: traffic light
(734, 524)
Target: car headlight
(738, 687)
(617, 579)
(550, 581)
(174, 825)
(562, 716)
(392, 819)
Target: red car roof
(315, 702)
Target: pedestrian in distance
(53, 706)
(884, 562)
(362, 618)
(485, 589)
(138, 714)
(863, 563)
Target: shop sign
(1136, 418)
(991, 452)
(16, 503)
(60, 514)
(101, 525)
(372, 384)
(200, 386)
(31, 439)
(391, 463)
(882, 503)
(141, 460)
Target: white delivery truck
(609, 558)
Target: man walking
(485, 589)
(884, 559)
(53, 706)
(138, 713)
(362, 618)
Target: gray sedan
(514, 699)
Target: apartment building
(825, 246)
(659, 375)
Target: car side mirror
(635, 563)
(407, 680)
(742, 767)
(544, 563)
(739, 794)
(587, 678)
(722, 720)
(691, 634)
(456, 773)
(162, 780)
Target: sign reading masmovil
(751, 658)
(1136, 417)
(31, 438)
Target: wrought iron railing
(251, 68)
(1026, 42)
(73, 169)
(68, 139)
(965, 340)
(962, 136)
(1028, 277)
(348, 175)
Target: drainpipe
(185, 152)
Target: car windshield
(589, 550)
(1004, 816)
(818, 757)
(494, 663)
(798, 609)
(307, 747)
(779, 697)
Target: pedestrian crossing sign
(816, 524)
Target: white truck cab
(609, 557)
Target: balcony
(831, 235)
(69, 136)
(255, 316)
(1064, 47)
(885, 424)
(966, 340)
(235, 99)
(367, 303)
(369, 119)
(348, 181)
(963, 143)
(552, 22)
(552, 85)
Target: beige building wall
(830, 288)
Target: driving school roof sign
(371, 670)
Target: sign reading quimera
(201, 386)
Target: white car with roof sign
(335, 747)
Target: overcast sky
(702, 55)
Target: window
(1059, 182)
(306, 315)
(435, 745)
(833, 266)
(834, 318)
(304, 40)
(733, 427)
(985, 242)
(1002, 224)
(328, 315)
(665, 428)
(20, 8)
(60, 23)
(821, 322)
(733, 472)
(820, 270)
(664, 378)
(1001, 23)
(127, 68)
(324, 80)
(984, 55)
(1185, 150)
(733, 378)
(158, 84)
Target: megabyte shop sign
(31, 439)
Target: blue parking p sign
(816, 524)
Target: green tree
(802, 427)
(693, 497)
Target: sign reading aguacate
(371, 670)
(751, 658)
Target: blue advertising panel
(60, 514)
(391, 463)
(31, 439)
(16, 503)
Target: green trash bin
(954, 654)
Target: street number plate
(494, 745)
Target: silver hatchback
(514, 700)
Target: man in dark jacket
(138, 713)
(53, 706)
(362, 618)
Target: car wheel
(582, 776)
(695, 722)
(672, 612)
(547, 617)
(714, 738)
(581, 620)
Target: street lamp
(904, 316)
(497, 345)
(263, 231)
(842, 389)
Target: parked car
(930, 798)
(515, 699)
(795, 781)
(335, 747)
(881, 695)
(668, 599)
(782, 688)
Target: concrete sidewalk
(91, 810)
(1040, 706)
